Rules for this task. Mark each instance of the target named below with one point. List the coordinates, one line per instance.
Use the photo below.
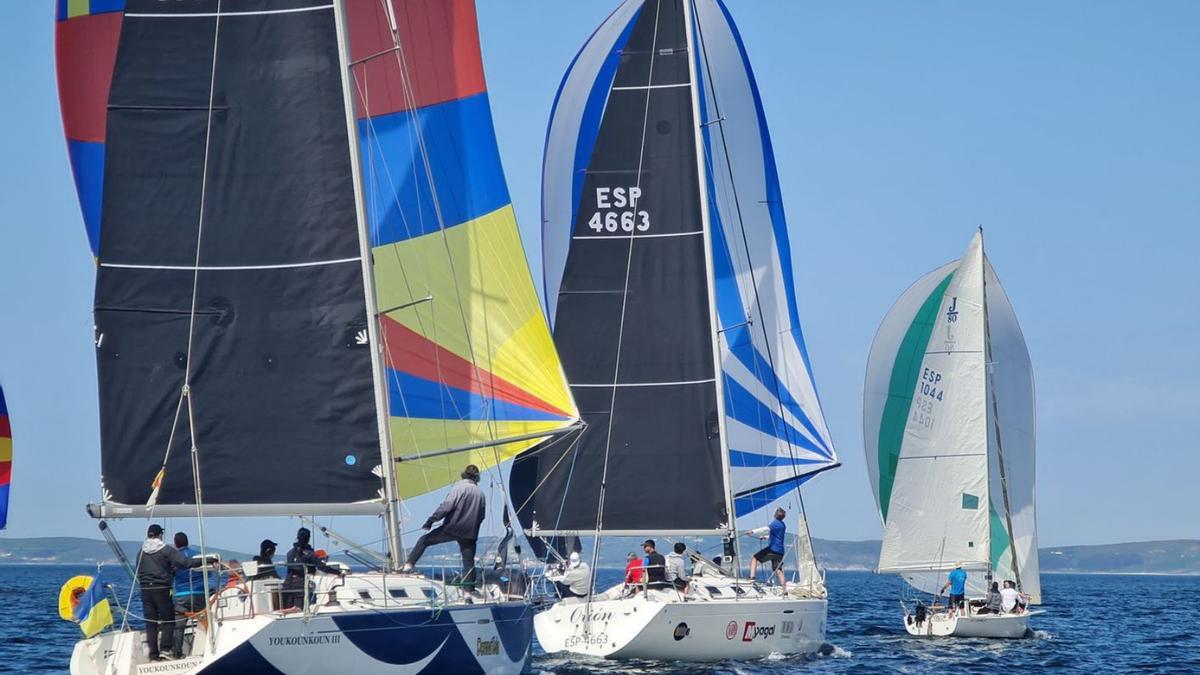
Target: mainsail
(230, 255)
(668, 277)
(947, 357)
(6, 455)
(469, 356)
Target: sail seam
(652, 86)
(230, 268)
(646, 384)
(638, 236)
(195, 15)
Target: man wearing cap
(461, 514)
(575, 580)
(265, 560)
(302, 562)
(957, 584)
(188, 594)
(156, 565)
(655, 564)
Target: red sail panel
(441, 53)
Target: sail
(627, 287)
(230, 249)
(932, 439)
(85, 43)
(1013, 440)
(468, 351)
(6, 455)
(776, 432)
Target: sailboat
(948, 423)
(311, 300)
(668, 275)
(6, 455)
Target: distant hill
(1150, 557)
(72, 551)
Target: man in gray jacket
(156, 567)
(461, 514)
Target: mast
(702, 180)
(387, 465)
(987, 347)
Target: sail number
(930, 390)
(616, 210)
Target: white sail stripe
(195, 15)
(645, 384)
(638, 236)
(231, 268)
(734, 369)
(644, 87)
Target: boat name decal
(753, 630)
(582, 615)
(179, 666)
(589, 639)
(303, 640)
(487, 647)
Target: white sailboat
(669, 284)
(311, 300)
(949, 431)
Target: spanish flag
(82, 601)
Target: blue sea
(1093, 623)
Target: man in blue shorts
(958, 591)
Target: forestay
(932, 440)
(467, 347)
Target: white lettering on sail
(616, 211)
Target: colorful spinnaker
(468, 351)
(85, 41)
(6, 455)
(948, 425)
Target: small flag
(81, 600)
(155, 485)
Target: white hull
(660, 624)
(1008, 626)
(353, 634)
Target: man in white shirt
(677, 574)
(1010, 598)
(575, 581)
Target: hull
(1000, 626)
(661, 625)
(462, 638)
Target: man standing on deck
(156, 565)
(189, 593)
(774, 549)
(461, 514)
(958, 591)
(302, 565)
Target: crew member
(156, 565)
(677, 574)
(655, 565)
(774, 549)
(575, 580)
(302, 562)
(461, 514)
(957, 583)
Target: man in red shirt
(634, 574)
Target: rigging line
(612, 403)
(746, 244)
(538, 451)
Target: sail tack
(230, 249)
(468, 350)
(940, 365)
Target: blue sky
(1069, 130)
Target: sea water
(1093, 623)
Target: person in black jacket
(302, 561)
(461, 514)
(655, 564)
(156, 567)
(266, 563)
